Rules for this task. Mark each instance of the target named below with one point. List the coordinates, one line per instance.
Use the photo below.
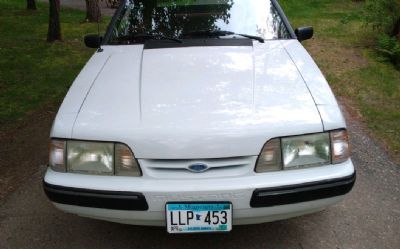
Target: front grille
(179, 168)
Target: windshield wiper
(254, 37)
(217, 33)
(208, 33)
(144, 36)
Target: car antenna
(98, 35)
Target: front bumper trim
(268, 197)
(115, 200)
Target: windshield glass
(184, 18)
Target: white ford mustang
(198, 115)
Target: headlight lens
(308, 150)
(90, 157)
(97, 158)
(304, 151)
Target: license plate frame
(177, 224)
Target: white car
(198, 115)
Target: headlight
(304, 151)
(308, 150)
(90, 157)
(97, 158)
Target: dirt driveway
(368, 218)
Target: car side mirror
(304, 33)
(93, 41)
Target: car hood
(193, 102)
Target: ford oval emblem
(198, 167)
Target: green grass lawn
(344, 48)
(34, 73)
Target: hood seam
(141, 85)
(305, 83)
(87, 94)
(254, 78)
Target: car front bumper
(256, 199)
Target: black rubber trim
(284, 195)
(284, 19)
(96, 198)
(208, 42)
(111, 25)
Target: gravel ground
(368, 218)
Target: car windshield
(189, 19)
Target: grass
(33, 72)
(344, 48)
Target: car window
(177, 18)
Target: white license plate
(199, 217)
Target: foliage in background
(390, 48)
(384, 16)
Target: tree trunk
(396, 29)
(31, 5)
(92, 11)
(54, 32)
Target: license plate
(199, 217)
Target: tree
(54, 32)
(31, 5)
(396, 29)
(93, 13)
(383, 15)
